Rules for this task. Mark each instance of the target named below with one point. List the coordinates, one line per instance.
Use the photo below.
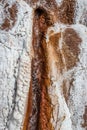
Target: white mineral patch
(15, 67)
(80, 8)
(59, 2)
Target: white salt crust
(15, 67)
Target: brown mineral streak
(39, 113)
(73, 40)
(67, 11)
(45, 104)
(6, 24)
(54, 51)
(71, 48)
(13, 14)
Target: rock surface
(43, 65)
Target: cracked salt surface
(15, 64)
(79, 90)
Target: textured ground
(43, 65)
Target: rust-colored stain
(65, 90)
(54, 51)
(13, 12)
(45, 110)
(54, 40)
(6, 24)
(70, 50)
(45, 104)
(71, 47)
(9, 22)
(67, 11)
(40, 102)
(72, 40)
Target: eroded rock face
(43, 65)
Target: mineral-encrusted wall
(43, 65)
(15, 62)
